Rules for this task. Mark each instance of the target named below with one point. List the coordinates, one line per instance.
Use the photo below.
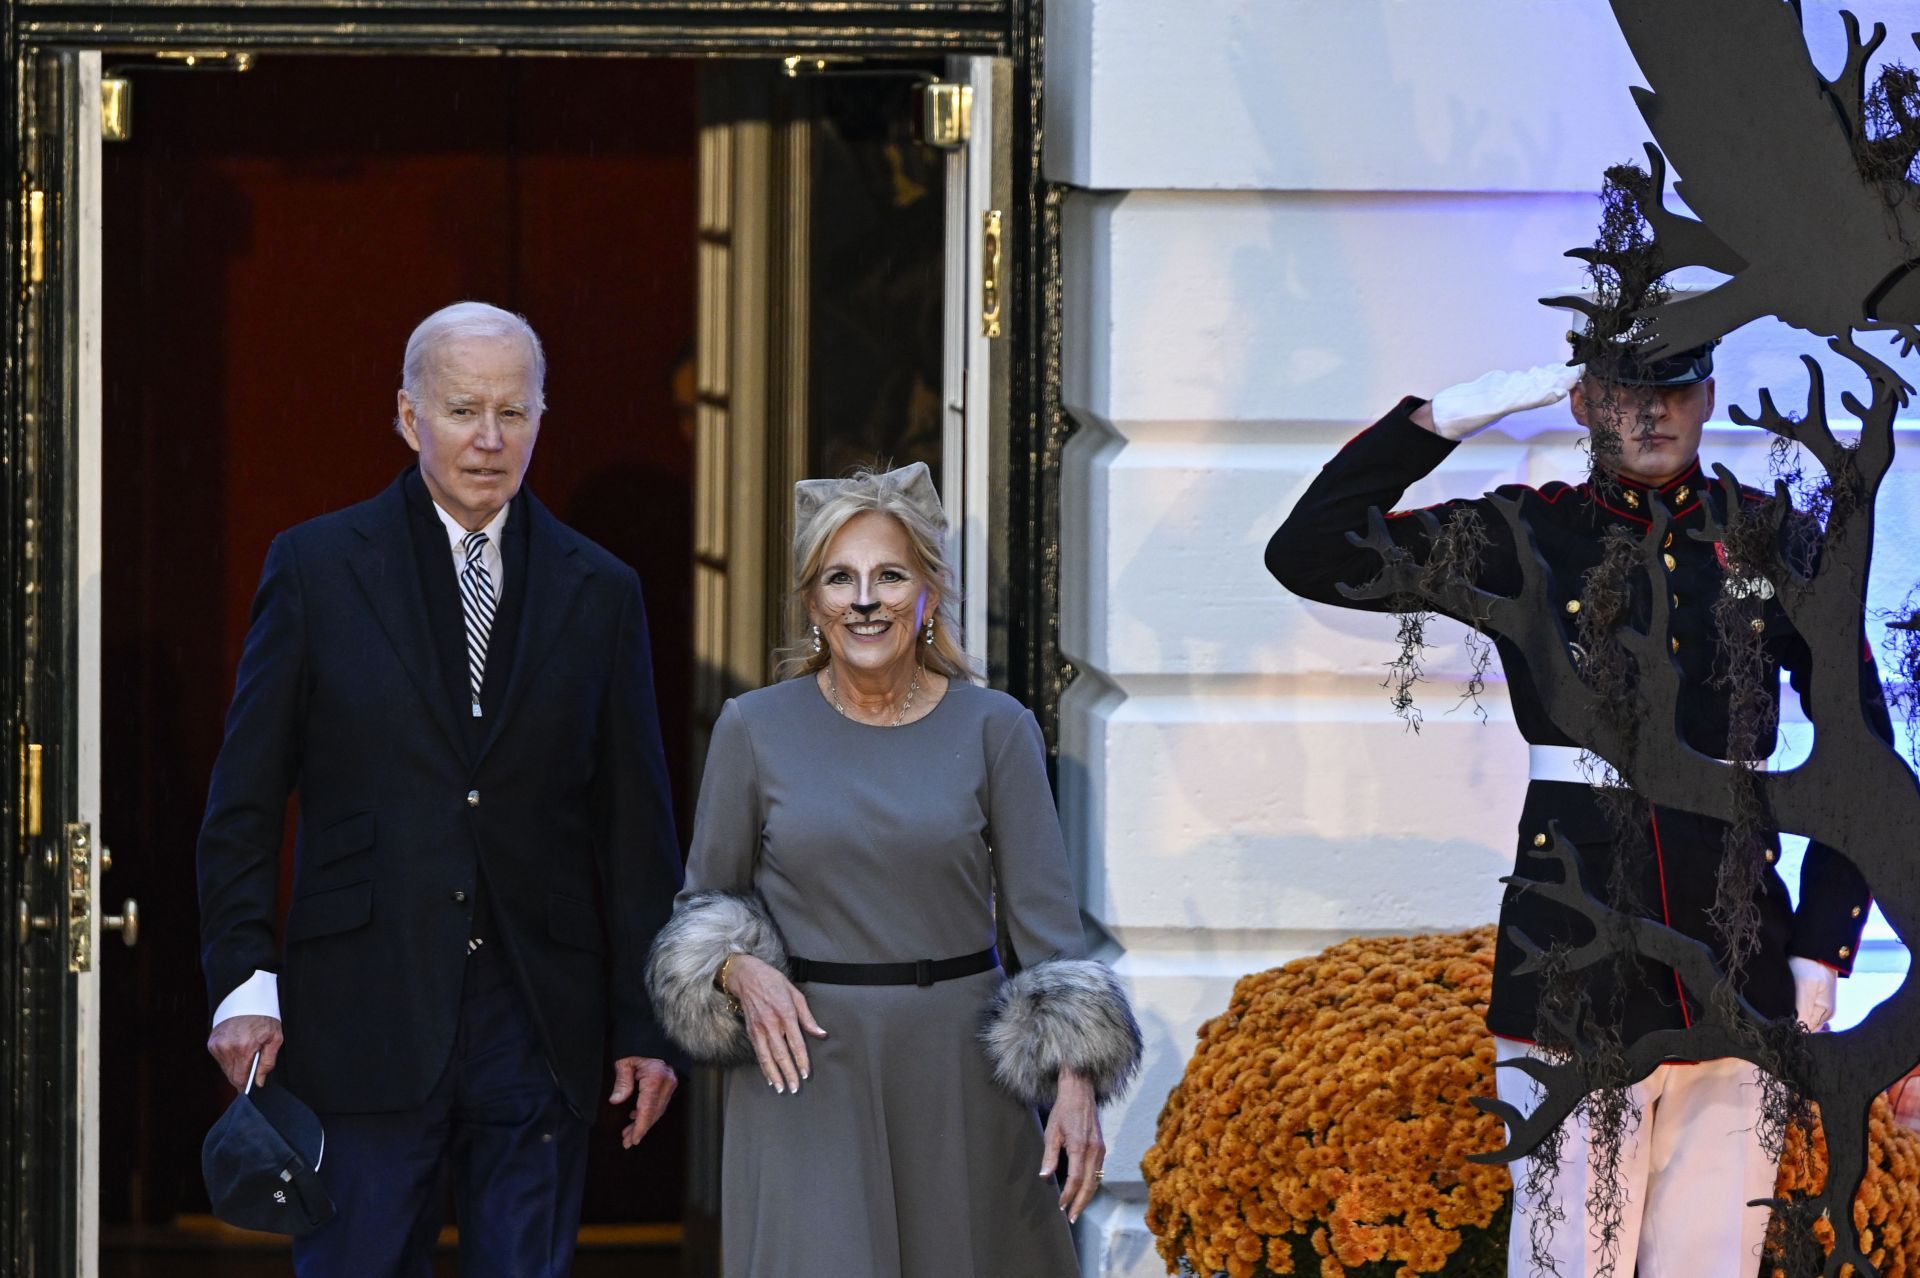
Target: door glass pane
(877, 278)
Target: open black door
(49, 859)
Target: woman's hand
(776, 1014)
(1074, 1128)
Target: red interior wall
(271, 239)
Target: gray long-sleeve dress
(900, 1157)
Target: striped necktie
(477, 602)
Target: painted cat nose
(866, 609)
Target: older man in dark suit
(459, 688)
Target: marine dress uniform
(1680, 1203)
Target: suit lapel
(383, 564)
(554, 577)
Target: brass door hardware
(126, 923)
(946, 115)
(990, 260)
(116, 108)
(36, 237)
(79, 897)
(27, 922)
(32, 790)
(796, 65)
(203, 59)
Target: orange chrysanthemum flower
(1324, 1123)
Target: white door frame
(969, 434)
(88, 560)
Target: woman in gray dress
(865, 828)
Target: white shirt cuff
(258, 995)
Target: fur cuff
(1067, 1013)
(687, 954)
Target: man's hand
(1814, 988)
(235, 1040)
(1459, 411)
(650, 1083)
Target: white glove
(1459, 411)
(1814, 987)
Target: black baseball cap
(261, 1162)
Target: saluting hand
(778, 1021)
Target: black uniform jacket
(1673, 874)
(553, 808)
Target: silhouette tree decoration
(1801, 186)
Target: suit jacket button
(473, 798)
(459, 897)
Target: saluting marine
(1694, 1159)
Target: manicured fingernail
(806, 1074)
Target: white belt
(1564, 763)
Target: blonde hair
(862, 493)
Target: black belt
(924, 972)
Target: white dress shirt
(259, 994)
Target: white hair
(467, 320)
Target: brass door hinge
(32, 792)
(36, 237)
(79, 897)
(116, 108)
(946, 115)
(991, 251)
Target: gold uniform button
(1758, 625)
(1573, 605)
(1675, 599)
(1539, 840)
(473, 798)
(1633, 498)
(1681, 494)
(1846, 951)
(1855, 911)
(1770, 855)
(1668, 543)
(1674, 643)
(1671, 562)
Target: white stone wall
(1287, 214)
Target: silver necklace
(833, 690)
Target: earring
(929, 628)
(817, 645)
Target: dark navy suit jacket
(557, 810)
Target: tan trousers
(1689, 1168)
